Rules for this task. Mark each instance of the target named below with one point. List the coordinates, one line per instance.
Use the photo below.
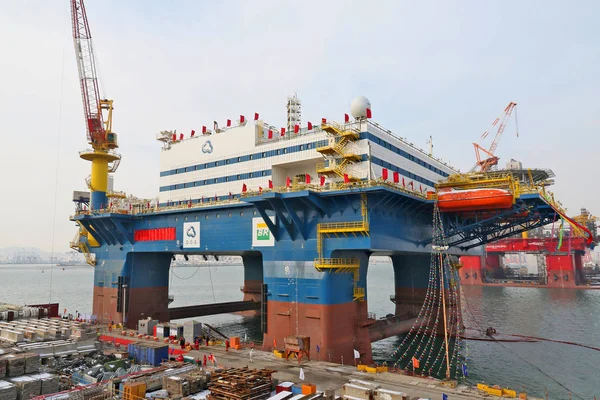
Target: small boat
(474, 199)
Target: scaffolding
(341, 156)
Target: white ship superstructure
(253, 155)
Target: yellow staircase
(337, 265)
(339, 150)
(81, 246)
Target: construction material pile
(240, 384)
(186, 384)
(17, 364)
(8, 391)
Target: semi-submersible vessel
(305, 206)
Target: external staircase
(340, 265)
(80, 244)
(338, 152)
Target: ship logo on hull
(191, 235)
(207, 147)
(261, 234)
(191, 232)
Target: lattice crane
(485, 164)
(99, 127)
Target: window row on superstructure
(302, 147)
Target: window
(278, 151)
(264, 173)
(238, 177)
(301, 147)
(215, 180)
(251, 156)
(227, 161)
(264, 155)
(250, 174)
(206, 165)
(239, 159)
(284, 150)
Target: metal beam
(212, 309)
(300, 226)
(286, 224)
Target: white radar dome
(358, 107)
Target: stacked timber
(49, 383)
(240, 384)
(8, 391)
(2, 367)
(27, 387)
(15, 365)
(176, 386)
(32, 363)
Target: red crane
(99, 128)
(485, 164)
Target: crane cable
(60, 113)
(518, 356)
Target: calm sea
(563, 314)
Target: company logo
(207, 147)
(191, 232)
(262, 232)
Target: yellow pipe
(525, 235)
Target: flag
(322, 180)
(396, 177)
(346, 178)
(421, 188)
(403, 184)
(464, 369)
(244, 187)
(282, 131)
(301, 374)
(270, 184)
(270, 134)
(356, 354)
(384, 174)
(307, 179)
(369, 114)
(323, 121)
(181, 136)
(193, 133)
(346, 118)
(242, 119)
(228, 122)
(415, 362)
(444, 396)
(309, 126)
(259, 190)
(216, 126)
(256, 116)
(287, 181)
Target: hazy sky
(444, 68)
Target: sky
(440, 68)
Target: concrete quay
(330, 376)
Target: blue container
(296, 389)
(140, 353)
(156, 354)
(131, 349)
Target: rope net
(434, 345)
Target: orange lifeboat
(474, 199)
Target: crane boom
(99, 131)
(491, 160)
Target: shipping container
(157, 353)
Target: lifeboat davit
(474, 199)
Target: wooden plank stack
(240, 384)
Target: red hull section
(470, 272)
(561, 271)
(476, 199)
(142, 303)
(334, 328)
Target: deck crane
(99, 127)
(485, 164)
